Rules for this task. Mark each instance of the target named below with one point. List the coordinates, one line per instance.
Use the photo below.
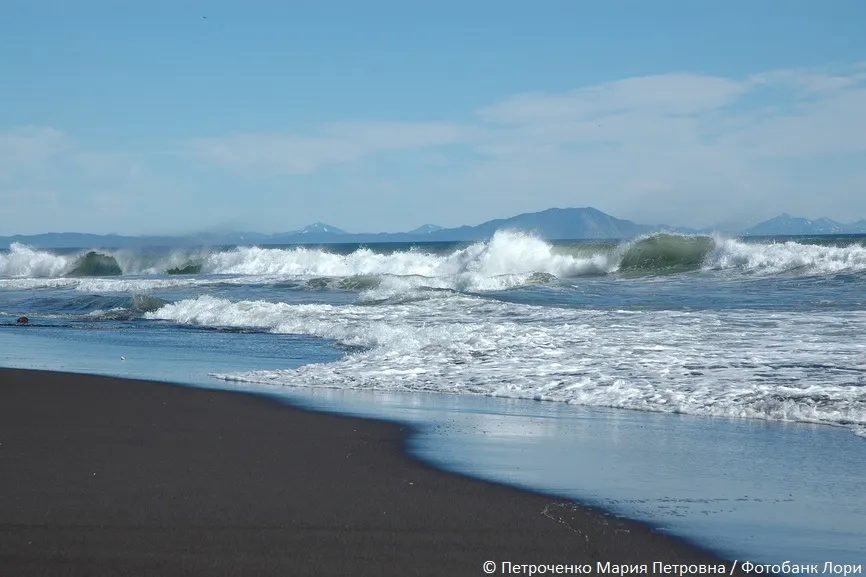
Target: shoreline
(109, 475)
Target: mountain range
(785, 225)
(553, 224)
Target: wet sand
(106, 476)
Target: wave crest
(787, 257)
(95, 264)
(666, 253)
(24, 262)
(506, 260)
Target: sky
(183, 116)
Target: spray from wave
(507, 260)
(24, 262)
(788, 257)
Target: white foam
(121, 284)
(133, 262)
(102, 285)
(508, 259)
(786, 257)
(23, 261)
(36, 283)
(776, 366)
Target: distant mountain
(425, 229)
(553, 224)
(85, 240)
(321, 228)
(786, 225)
(58, 239)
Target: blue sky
(184, 116)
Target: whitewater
(712, 326)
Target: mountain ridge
(786, 225)
(585, 223)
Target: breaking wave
(665, 253)
(788, 257)
(659, 361)
(23, 261)
(95, 264)
(506, 260)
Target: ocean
(713, 387)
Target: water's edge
(741, 488)
(410, 434)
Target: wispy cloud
(685, 148)
(671, 94)
(783, 113)
(46, 172)
(29, 148)
(812, 80)
(335, 144)
(690, 110)
(42, 153)
(679, 148)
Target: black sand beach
(103, 476)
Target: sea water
(712, 387)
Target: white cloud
(689, 110)
(811, 81)
(335, 144)
(833, 124)
(671, 94)
(685, 149)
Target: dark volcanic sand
(103, 476)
